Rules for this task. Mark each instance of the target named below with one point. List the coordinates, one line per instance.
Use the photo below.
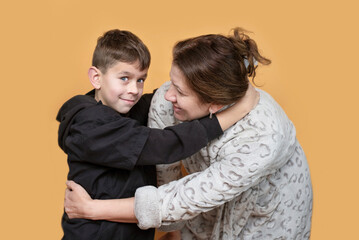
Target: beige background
(46, 49)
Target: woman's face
(186, 104)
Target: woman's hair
(120, 46)
(215, 65)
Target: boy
(109, 153)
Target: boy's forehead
(126, 67)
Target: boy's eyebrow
(125, 73)
(131, 74)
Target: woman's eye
(180, 93)
(124, 78)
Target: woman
(251, 183)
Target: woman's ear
(94, 75)
(213, 108)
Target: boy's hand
(77, 201)
(240, 109)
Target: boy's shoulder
(84, 112)
(75, 104)
(85, 107)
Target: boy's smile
(121, 86)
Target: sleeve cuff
(212, 126)
(147, 207)
(173, 226)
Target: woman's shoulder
(266, 119)
(268, 110)
(267, 102)
(161, 110)
(159, 99)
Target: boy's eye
(124, 78)
(141, 80)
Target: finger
(70, 184)
(68, 196)
(68, 212)
(67, 192)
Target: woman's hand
(77, 201)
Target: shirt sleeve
(165, 146)
(101, 137)
(192, 135)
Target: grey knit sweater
(251, 183)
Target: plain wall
(46, 49)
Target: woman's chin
(180, 117)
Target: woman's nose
(169, 96)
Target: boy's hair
(116, 45)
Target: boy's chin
(123, 110)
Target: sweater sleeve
(246, 154)
(241, 164)
(200, 192)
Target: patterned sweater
(251, 183)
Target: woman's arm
(216, 185)
(78, 204)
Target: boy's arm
(101, 137)
(155, 153)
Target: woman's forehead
(177, 77)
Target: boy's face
(121, 86)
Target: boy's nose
(132, 87)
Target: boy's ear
(213, 108)
(94, 75)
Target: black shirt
(111, 155)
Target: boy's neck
(97, 95)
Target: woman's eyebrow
(176, 86)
